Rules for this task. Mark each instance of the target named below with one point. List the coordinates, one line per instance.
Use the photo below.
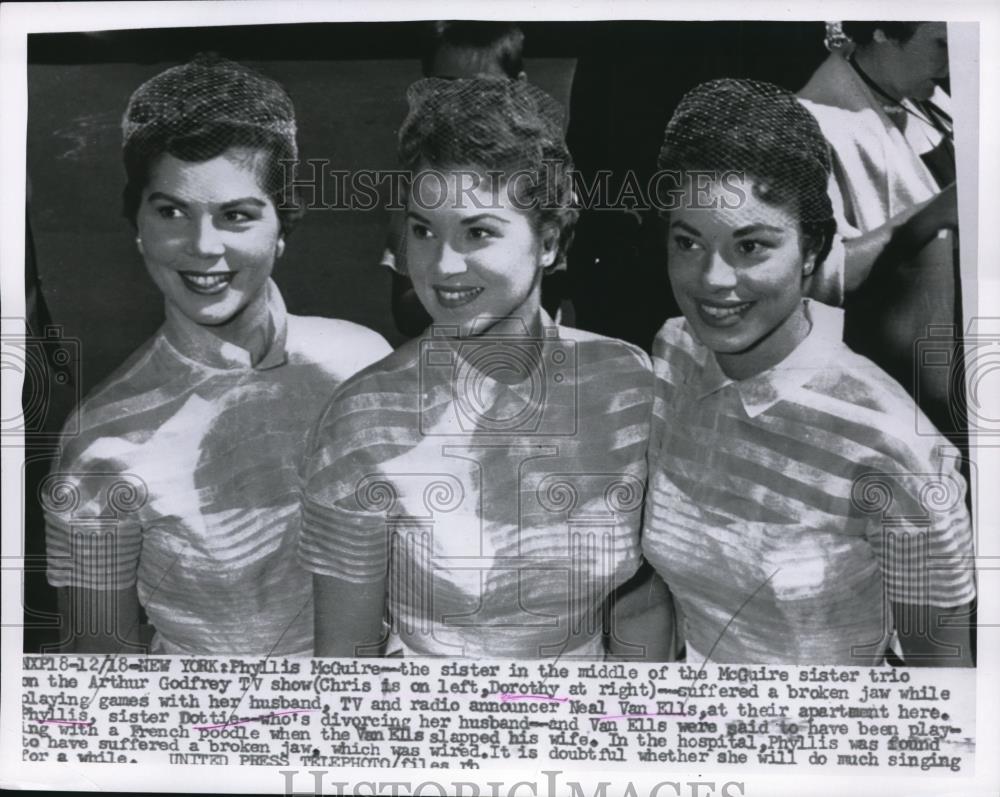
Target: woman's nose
(450, 262)
(718, 274)
(206, 240)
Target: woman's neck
(250, 329)
(770, 351)
(870, 61)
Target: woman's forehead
(463, 189)
(233, 174)
(731, 201)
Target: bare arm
(348, 617)
(643, 622)
(102, 621)
(900, 237)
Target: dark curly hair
(495, 126)
(198, 111)
(762, 131)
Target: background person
(206, 420)
(882, 107)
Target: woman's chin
(724, 341)
(211, 315)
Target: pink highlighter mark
(250, 719)
(639, 716)
(68, 722)
(506, 697)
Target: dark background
(348, 83)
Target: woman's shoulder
(867, 399)
(595, 349)
(385, 385)
(676, 341)
(99, 430)
(125, 389)
(341, 347)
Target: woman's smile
(452, 296)
(723, 314)
(206, 284)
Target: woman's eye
(238, 216)
(420, 231)
(684, 243)
(169, 212)
(481, 233)
(752, 247)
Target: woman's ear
(279, 249)
(809, 264)
(550, 245)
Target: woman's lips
(452, 297)
(206, 284)
(722, 314)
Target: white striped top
(786, 511)
(184, 481)
(503, 513)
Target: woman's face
(913, 66)
(474, 256)
(209, 234)
(737, 275)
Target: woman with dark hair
(201, 428)
(483, 484)
(793, 510)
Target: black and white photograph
(564, 400)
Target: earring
(138, 245)
(280, 249)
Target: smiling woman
(203, 425)
(210, 236)
(483, 483)
(771, 437)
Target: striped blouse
(184, 481)
(786, 511)
(503, 510)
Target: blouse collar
(197, 342)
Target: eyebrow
(752, 228)
(466, 221)
(159, 195)
(481, 216)
(685, 226)
(246, 200)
